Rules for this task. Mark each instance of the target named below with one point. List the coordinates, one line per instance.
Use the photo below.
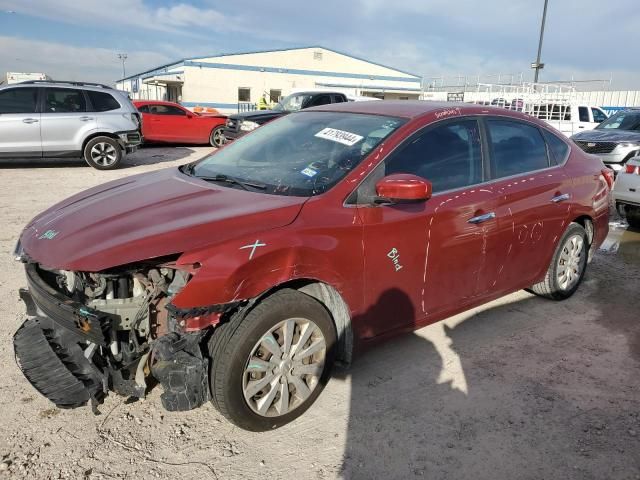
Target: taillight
(632, 169)
(607, 173)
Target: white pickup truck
(570, 119)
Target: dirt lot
(522, 388)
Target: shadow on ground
(444, 403)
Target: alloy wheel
(104, 154)
(217, 138)
(284, 367)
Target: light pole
(537, 66)
(123, 57)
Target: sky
(80, 39)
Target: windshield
(293, 102)
(301, 154)
(622, 121)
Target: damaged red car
(244, 278)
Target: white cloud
(179, 18)
(66, 62)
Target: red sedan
(172, 123)
(243, 277)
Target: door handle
(560, 198)
(30, 120)
(482, 218)
(85, 119)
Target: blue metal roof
(181, 62)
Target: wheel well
(334, 303)
(94, 135)
(587, 223)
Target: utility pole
(123, 57)
(537, 66)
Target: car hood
(146, 216)
(610, 135)
(258, 115)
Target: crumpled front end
(89, 333)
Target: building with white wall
(225, 81)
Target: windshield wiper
(228, 179)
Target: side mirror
(403, 188)
(190, 115)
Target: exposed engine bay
(89, 333)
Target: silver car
(68, 119)
(615, 140)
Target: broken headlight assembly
(93, 332)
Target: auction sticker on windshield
(340, 136)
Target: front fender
(243, 269)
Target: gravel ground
(520, 388)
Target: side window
(449, 156)
(18, 100)
(165, 110)
(63, 100)
(516, 148)
(598, 115)
(338, 99)
(583, 113)
(558, 148)
(143, 108)
(170, 110)
(102, 101)
(319, 100)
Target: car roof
(155, 102)
(416, 108)
(393, 108)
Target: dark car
(615, 141)
(243, 277)
(241, 123)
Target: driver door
(423, 259)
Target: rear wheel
(269, 366)
(216, 139)
(633, 216)
(567, 267)
(103, 153)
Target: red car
(243, 277)
(172, 123)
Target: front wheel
(567, 266)
(103, 153)
(269, 366)
(216, 139)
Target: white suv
(68, 119)
(626, 191)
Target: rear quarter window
(102, 101)
(558, 149)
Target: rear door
(20, 122)
(65, 120)
(534, 194)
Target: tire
(554, 285)
(632, 213)
(235, 343)
(103, 153)
(216, 139)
